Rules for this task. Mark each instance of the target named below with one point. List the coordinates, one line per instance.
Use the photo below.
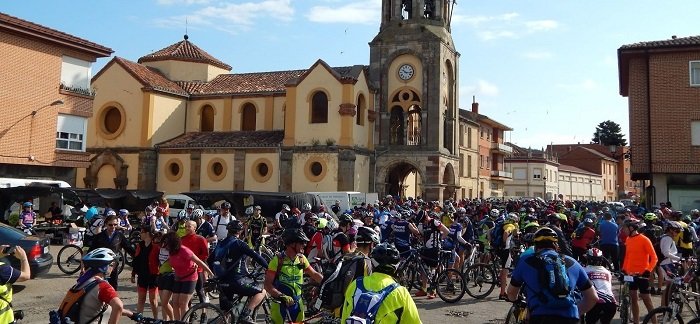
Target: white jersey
(220, 223)
(602, 281)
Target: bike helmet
(676, 214)
(99, 259)
(123, 212)
(286, 207)
(522, 210)
(650, 217)
(306, 207)
(294, 235)
(529, 238)
(366, 235)
(234, 226)
(345, 219)
(632, 222)
(249, 210)
(673, 225)
(27, 204)
(588, 222)
(111, 213)
(322, 223)
(595, 257)
(694, 212)
(494, 213)
(190, 206)
(461, 210)
(545, 234)
(512, 218)
(225, 205)
(197, 214)
(311, 217)
(385, 256)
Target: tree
(608, 133)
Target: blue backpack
(555, 289)
(497, 235)
(367, 303)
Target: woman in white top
(668, 248)
(601, 278)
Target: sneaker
(503, 297)
(421, 293)
(431, 296)
(247, 320)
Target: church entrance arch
(403, 179)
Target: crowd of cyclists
(174, 259)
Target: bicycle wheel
(406, 277)
(663, 315)
(205, 313)
(624, 309)
(120, 261)
(695, 321)
(68, 259)
(480, 280)
(515, 315)
(450, 286)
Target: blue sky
(548, 69)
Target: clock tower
(414, 66)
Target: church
(178, 120)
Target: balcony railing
(502, 148)
(77, 90)
(502, 174)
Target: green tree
(609, 133)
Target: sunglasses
(112, 225)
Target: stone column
(346, 170)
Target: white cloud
(357, 12)
(491, 35)
(481, 88)
(538, 55)
(541, 25)
(479, 20)
(233, 17)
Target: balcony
(501, 174)
(501, 148)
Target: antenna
(186, 37)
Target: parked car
(40, 259)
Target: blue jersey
(402, 234)
(526, 275)
(452, 241)
(385, 230)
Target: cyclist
(604, 310)
(582, 238)
(555, 222)
(401, 230)
(186, 213)
(145, 273)
(219, 221)
(232, 272)
(670, 254)
(204, 227)
(314, 249)
(158, 222)
(114, 240)
(255, 227)
(285, 275)
(608, 240)
(10, 275)
(527, 276)
(433, 230)
(124, 223)
(282, 217)
(640, 260)
(200, 248)
(98, 264)
(510, 231)
(397, 306)
(310, 225)
(27, 218)
(340, 240)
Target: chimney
(475, 105)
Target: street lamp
(58, 102)
(544, 192)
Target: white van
(17, 182)
(178, 203)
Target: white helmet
(98, 258)
(494, 212)
(111, 213)
(249, 210)
(306, 207)
(197, 213)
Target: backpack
(555, 291)
(219, 261)
(69, 310)
(367, 303)
(497, 235)
(687, 236)
(333, 288)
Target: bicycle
(623, 307)
(679, 295)
(148, 320)
(448, 283)
(518, 312)
(482, 278)
(69, 258)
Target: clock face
(406, 72)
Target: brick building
(661, 79)
(46, 100)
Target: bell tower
(414, 66)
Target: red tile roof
(673, 42)
(150, 78)
(18, 25)
(248, 83)
(224, 140)
(184, 51)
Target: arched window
(361, 109)
(414, 125)
(206, 122)
(248, 117)
(319, 108)
(397, 126)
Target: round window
(112, 120)
(174, 169)
(217, 168)
(316, 169)
(263, 169)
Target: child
(145, 272)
